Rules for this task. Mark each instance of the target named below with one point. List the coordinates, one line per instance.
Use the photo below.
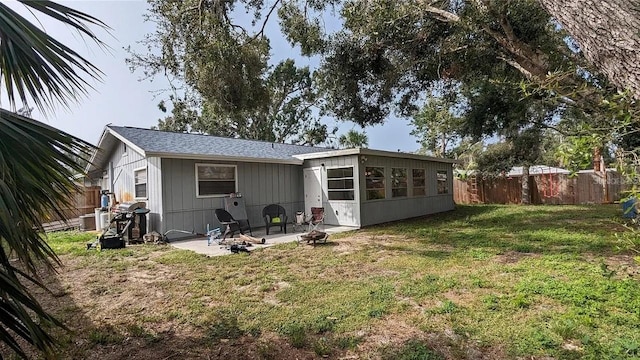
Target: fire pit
(313, 236)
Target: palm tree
(353, 139)
(37, 162)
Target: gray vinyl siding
(391, 209)
(339, 212)
(260, 184)
(123, 166)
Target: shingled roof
(197, 146)
(166, 143)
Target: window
(375, 182)
(215, 180)
(340, 183)
(418, 182)
(398, 182)
(443, 187)
(140, 182)
(124, 149)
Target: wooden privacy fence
(586, 187)
(84, 202)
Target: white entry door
(312, 188)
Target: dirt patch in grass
(391, 331)
(356, 242)
(512, 257)
(618, 266)
(389, 336)
(172, 346)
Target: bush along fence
(585, 187)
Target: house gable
(111, 148)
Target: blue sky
(122, 99)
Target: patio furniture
(275, 215)
(231, 225)
(316, 219)
(300, 223)
(314, 236)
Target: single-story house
(184, 177)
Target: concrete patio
(200, 246)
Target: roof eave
(88, 169)
(364, 151)
(165, 155)
(91, 166)
(330, 153)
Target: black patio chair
(275, 215)
(231, 225)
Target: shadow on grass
(59, 303)
(407, 248)
(327, 243)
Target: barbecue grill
(128, 224)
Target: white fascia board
(224, 158)
(87, 169)
(326, 154)
(361, 151)
(98, 148)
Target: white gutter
(371, 152)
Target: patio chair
(300, 221)
(316, 219)
(275, 215)
(231, 225)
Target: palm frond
(37, 164)
(37, 66)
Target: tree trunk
(608, 32)
(525, 185)
(600, 169)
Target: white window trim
(353, 171)
(386, 182)
(235, 168)
(146, 184)
(124, 150)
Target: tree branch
(531, 63)
(235, 26)
(266, 19)
(518, 67)
(442, 15)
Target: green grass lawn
(497, 282)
